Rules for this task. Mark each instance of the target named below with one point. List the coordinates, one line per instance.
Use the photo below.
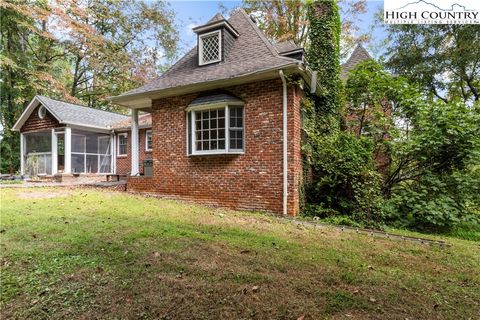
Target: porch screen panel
(91, 152)
(38, 153)
(78, 162)
(105, 159)
(37, 142)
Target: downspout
(285, 136)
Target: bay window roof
(214, 98)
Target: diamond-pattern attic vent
(210, 48)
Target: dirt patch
(43, 195)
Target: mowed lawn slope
(91, 254)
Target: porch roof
(72, 114)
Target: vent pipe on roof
(285, 136)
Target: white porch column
(134, 150)
(54, 153)
(68, 150)
(22, 154)
(113, 154)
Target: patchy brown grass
(90, 255)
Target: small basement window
(210, 47)
(216, 130)
(122, 143)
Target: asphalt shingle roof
(358, 55)
(286, 46)
(81, 115)
(214, 98)
(251, 52)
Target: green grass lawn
(91, 254)
(11, 182)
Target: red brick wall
(124, 162)
(34, 122)
(252, 181)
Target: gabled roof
(250, 53)
(358, 55)
(72, 114)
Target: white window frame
(200, 47)
(146, 140)
(191, 113)
(124, 134)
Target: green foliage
(344, 180)
(442, 60)
(78, 51)
(435, 181)
(324, 57)
(466, 230)
(431, 183)
(340, 178)
(283, 20)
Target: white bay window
(215, 130)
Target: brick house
(221, 126)
(226, 120)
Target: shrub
(343, 178)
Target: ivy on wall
(339, 177)
(324, 57)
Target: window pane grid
(236, 128)
(210, 130)
(149, 140)
(122, 144)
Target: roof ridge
(217, 17)
(76, 104)
(262, 36)
(79, 105)
(258, 31)
(39, 98)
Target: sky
(193, 13)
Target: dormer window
(215, 39)
(210, 47)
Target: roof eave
(137, 100)
(216, 24)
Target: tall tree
(28, 60)
(444, 60)
(288, 20)
(81, 51)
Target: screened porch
(66, 150)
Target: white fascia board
(84, 127)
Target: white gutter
(285, 136)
